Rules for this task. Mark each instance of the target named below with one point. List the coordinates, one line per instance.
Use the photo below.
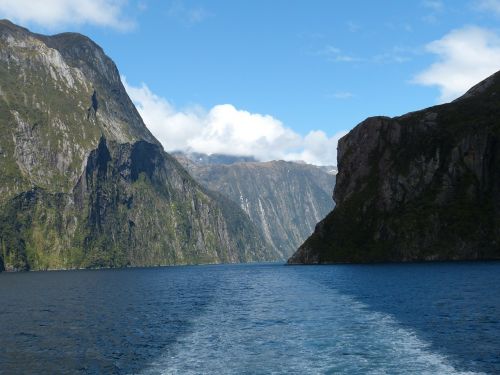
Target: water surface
(253, 319)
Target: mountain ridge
(84, 182)
(283, 199)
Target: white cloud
(317, 148)
(396, 55)
(343, 95)
(228, 130)
(489, 6)
(465, 57)
(353, 27)
(435, 5)
(335, 54)
(59, 13)
(436, 8)
(188, 15)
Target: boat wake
(282, 323)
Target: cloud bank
(465, 57)
(52, 14)
(228, 130)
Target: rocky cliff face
(84, 183)
(423, 186)
(284, 199)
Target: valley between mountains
(85, 184)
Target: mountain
(423, 186)
(200, 158)
(284, 199)
(84, 183)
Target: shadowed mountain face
(423, 186)
(84, 183)
(284, 199)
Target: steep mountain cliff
(84, 183)
(423, 186)
(284, 199)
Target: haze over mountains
(283, 199)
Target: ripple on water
(253, 319)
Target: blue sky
(279, 79)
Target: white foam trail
(299, 327)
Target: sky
(278, 79)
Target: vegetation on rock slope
(283, 199)
(84, 183)
(423, 186)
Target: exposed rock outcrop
(283, 199)
(84, 183)
(423, 186)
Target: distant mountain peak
(282, 198)
(201, 158)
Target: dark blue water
(254, 319)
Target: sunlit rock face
(84, 183)
(283, 199)
(423, 186)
